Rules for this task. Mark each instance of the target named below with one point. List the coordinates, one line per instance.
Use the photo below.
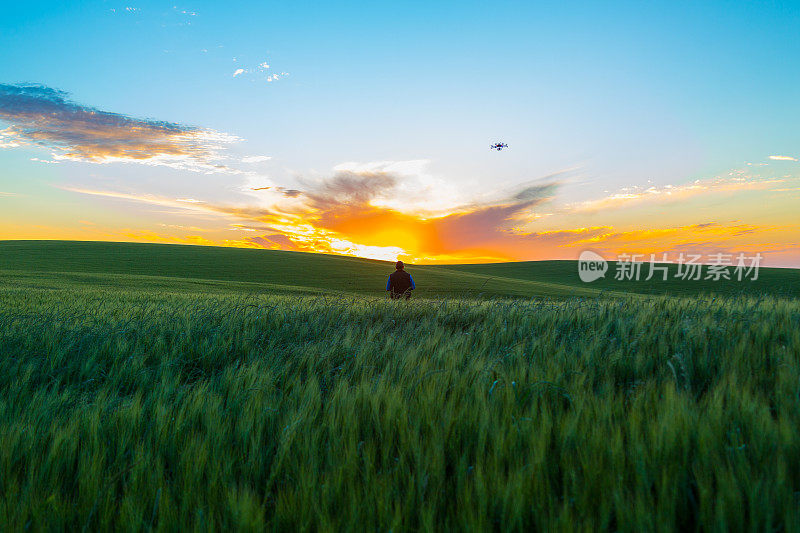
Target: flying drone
(498, 146)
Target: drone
(498, 146)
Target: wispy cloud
(627, 197)
(350, 189)
(182, 203)
(256, 159)
(261, 70)
(44, 116)
(345, 214)
(783, 158)
(706, 238)
(337, 215)
(185, 12)
(8, 139)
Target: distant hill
(178, 267)
(781, 281)
(184, 267)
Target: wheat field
(157, 409)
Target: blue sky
(623, 94)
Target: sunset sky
(364, 128)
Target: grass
(268, 269)
(311, 272)
(777, 281)
(154, 402)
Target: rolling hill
(775, 281)
(183, 267)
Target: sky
(364, 128)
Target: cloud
(182, 203)
(277, 241)
(43, 116)
(8, 139)
(256, 159)
(346, 213)
(707, 237)
(347, 188)
(783, 158)
(415, 190)
(337, 215)
(350, 205)
(736, 181)
(261, 70)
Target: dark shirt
(400, 283)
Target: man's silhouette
(400, 283)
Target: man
(400, 283)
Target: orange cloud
(347, 214)
(630, 196)
(337, 216)
(44, 116)
(706, 238)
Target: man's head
(399, 265)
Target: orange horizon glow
(385, 210)
(640, 222)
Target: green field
(179, 387)
(256, 271)
(163, 265)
